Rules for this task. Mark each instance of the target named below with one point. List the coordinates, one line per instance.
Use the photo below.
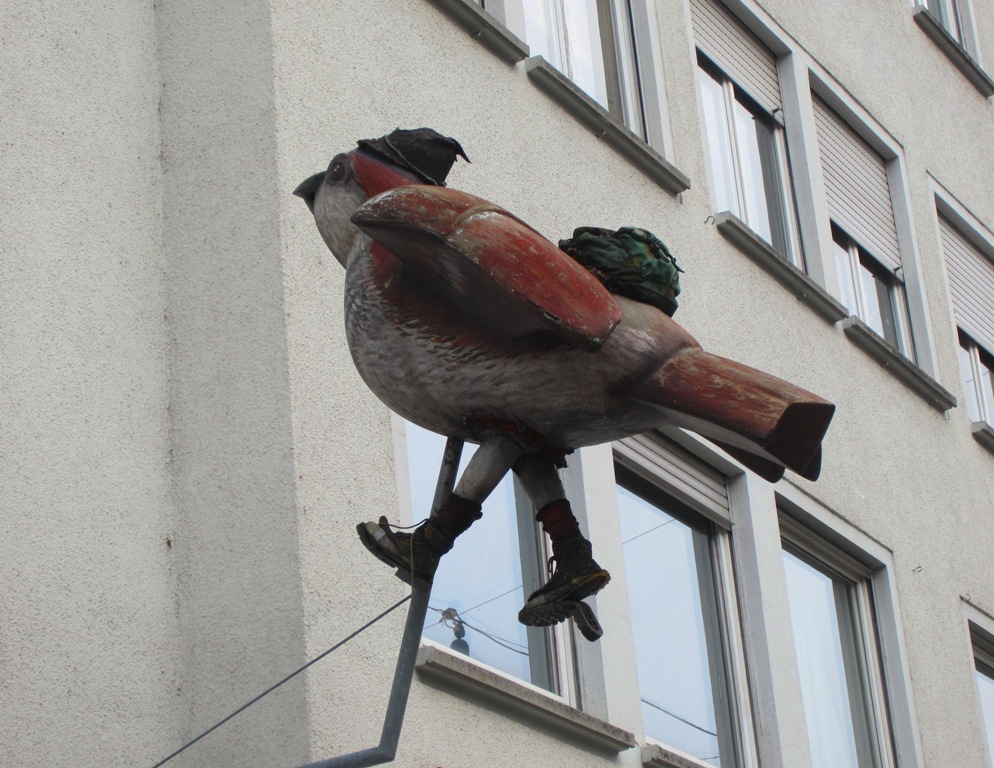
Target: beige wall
(89, 642)
(187, 447)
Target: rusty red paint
(482, 261)
(376, 176)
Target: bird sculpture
(466, 321)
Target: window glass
(823, 617)
(970, 389)
(675, 624)
(474, 610)
(985, 684)
(867, 289)
(584, 54)
(591, 43)
(540, 31)
(947, 12)
(986, 381)
(744, 146)
(879, 303)
(719, 144)
(757, 214)
(843, 263)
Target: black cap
(426, 152)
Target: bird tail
(765, 422)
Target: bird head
(403, 157)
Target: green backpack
(631, 262)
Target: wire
(480, 605)
(677, 717)
(450, 614)
(654, 528)
(272, 688)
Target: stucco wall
(88, 636)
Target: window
(869, 290)
(740, 94)
(594, 43)
(864, 230)
(474, 610)
(747, 153)
(971, 287)
(983, 659)
(976, 364)
(832, 616)
(672, 561)
(948, 14)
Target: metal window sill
(482, 684)
(571, 98)
(983, 433)
(891, 358)
(485, 28)
(766, 256)
(954, 51)
(658, 756)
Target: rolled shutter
(724, 40)
(856, 186)
(971, 283)
(683, 474)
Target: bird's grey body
(423, 358)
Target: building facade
(187, 447)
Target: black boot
(414, 555)
(576, 576)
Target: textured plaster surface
(88, 637)
(188, 446)
(239, 599)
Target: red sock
(558, 521)
(456, 515)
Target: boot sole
(552, 613)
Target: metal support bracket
(404, 672)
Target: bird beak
(308, 189)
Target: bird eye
(337, 170)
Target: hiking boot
(576, 576)
(415, 555)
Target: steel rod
(403, 674)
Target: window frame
(556, 645)
(983, 665)
(777, 191)
(918, 367)
(979, 635)
(840, 567)
(627, 57)
(981, 400)
(956, 18)
(860, 261)
(689, 481)
(868, 556)
(953, 215)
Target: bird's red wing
(490, 264)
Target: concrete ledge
(658, 756)
(450, 671)
(571, 98)
(485, 28)
(955, 52)
(766, 256)
(890, 358)
(983, 433)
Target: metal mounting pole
(409, 644)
